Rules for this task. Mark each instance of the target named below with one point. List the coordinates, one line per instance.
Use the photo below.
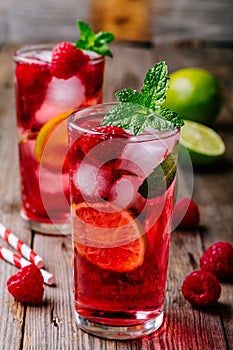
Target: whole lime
(195, 94)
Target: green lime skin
(204, 145)
(197, 159)
(195, 94)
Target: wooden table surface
(52, 325)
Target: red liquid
(132, 297)
(109, 294)
(38, 100)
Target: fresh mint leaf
(129, 115)
(155, 85)
(87, 35)
(161, 178)
(127, 95)
(171, 116)
(104, 37)
(138, 118)
(94, 42)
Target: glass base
(46, 228)
(119, 332)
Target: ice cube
(61, 96)
(47, 183)
(124, 193)
(143, 157)
(93, 181)
(43, 55)
(54, 194)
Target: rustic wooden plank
(188, 327)
(168, 20)
(216, 205)
(126, 70)
(10, 332)
(51, 326)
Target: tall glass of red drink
(122, 189)
(48, 87)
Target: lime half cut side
(205, 145)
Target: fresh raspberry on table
(67, 60)
(27, 285)
(218, 259)
(186, 214)
(201, 288)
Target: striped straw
(20, 262)
(20, 246)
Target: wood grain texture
(52, 325)
(11, 333)
(137, 20)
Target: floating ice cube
(43, 55)
(47, 183)
(54, 194)
(93, 182)
(61, 96)
(143, 157)
(124, 193)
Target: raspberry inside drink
(48, 88)
(120, 233)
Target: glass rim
(18, 55)
(97, 109)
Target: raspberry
(92, 140)
(106, 152)
(201, 288)
(27, 285)
(187, 211)
(218, 259)
(67, 60)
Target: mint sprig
(139, 110)
(94, 42)
(136, 117)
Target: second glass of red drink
(50, 82)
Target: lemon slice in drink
(52, 135)
(108, 238)
(205, 145)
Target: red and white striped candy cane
(20, 246)
(20, 262)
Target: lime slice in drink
(205, 145)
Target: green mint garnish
(139, 110)
(94, 42)
(161, 177)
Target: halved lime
(205, 145)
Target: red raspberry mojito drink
(51, 81)
(122, 189)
